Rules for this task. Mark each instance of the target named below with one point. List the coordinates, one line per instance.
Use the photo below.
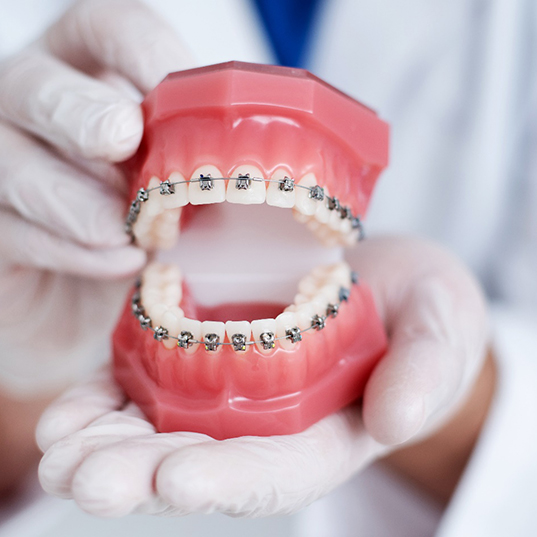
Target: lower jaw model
(249, 134)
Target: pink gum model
(274, 118)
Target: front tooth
(179, 198)
(278, 197)
(212, 334)
(303, 201)
(216, 194)
(255, 190)
(171, 320)
(266, 327)
(193, 327)
(242, 331)
(284, 322)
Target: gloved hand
(101, 451)
(62, 126)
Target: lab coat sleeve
(497, 493)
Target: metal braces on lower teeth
(239, 342)
(242, 182)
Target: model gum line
(250, 134)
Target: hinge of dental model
(239, 342)
(242, 182)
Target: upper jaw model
(250, 134)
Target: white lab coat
(457, 80)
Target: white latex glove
(101, 451)
(61, 199)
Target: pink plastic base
(157, 379)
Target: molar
(278, 197)
(252, 192)
(213, 194)
(165, 229)
(340, 274)
(157, 313)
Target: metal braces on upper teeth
(242, 182)
(239, 342)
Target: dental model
(248, 375)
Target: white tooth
(156, 312)
(304, 314)
(291, 307)
(259, 326)
(313, 224)
(171, 320)
(172, 297)
(254, 194)
(165, 229)
(301, 299)
(214, 327)
(285, 321)
(340, 274)
(303, 202)
(328, 237)
(301, 218)
(277, 197)
(308, 286)
(142, 228)
(171, 274)
(334, 222)
(346, 226)
(330, 293)
(153, 272)
(151, 296)
(320, 273)
(323, 212)
(319, 305)
(350, 239)
(197, 196)
(180, 197)
(194, 327)
(239, 327)
(153, 205)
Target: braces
(238, 341)
(242, 182)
